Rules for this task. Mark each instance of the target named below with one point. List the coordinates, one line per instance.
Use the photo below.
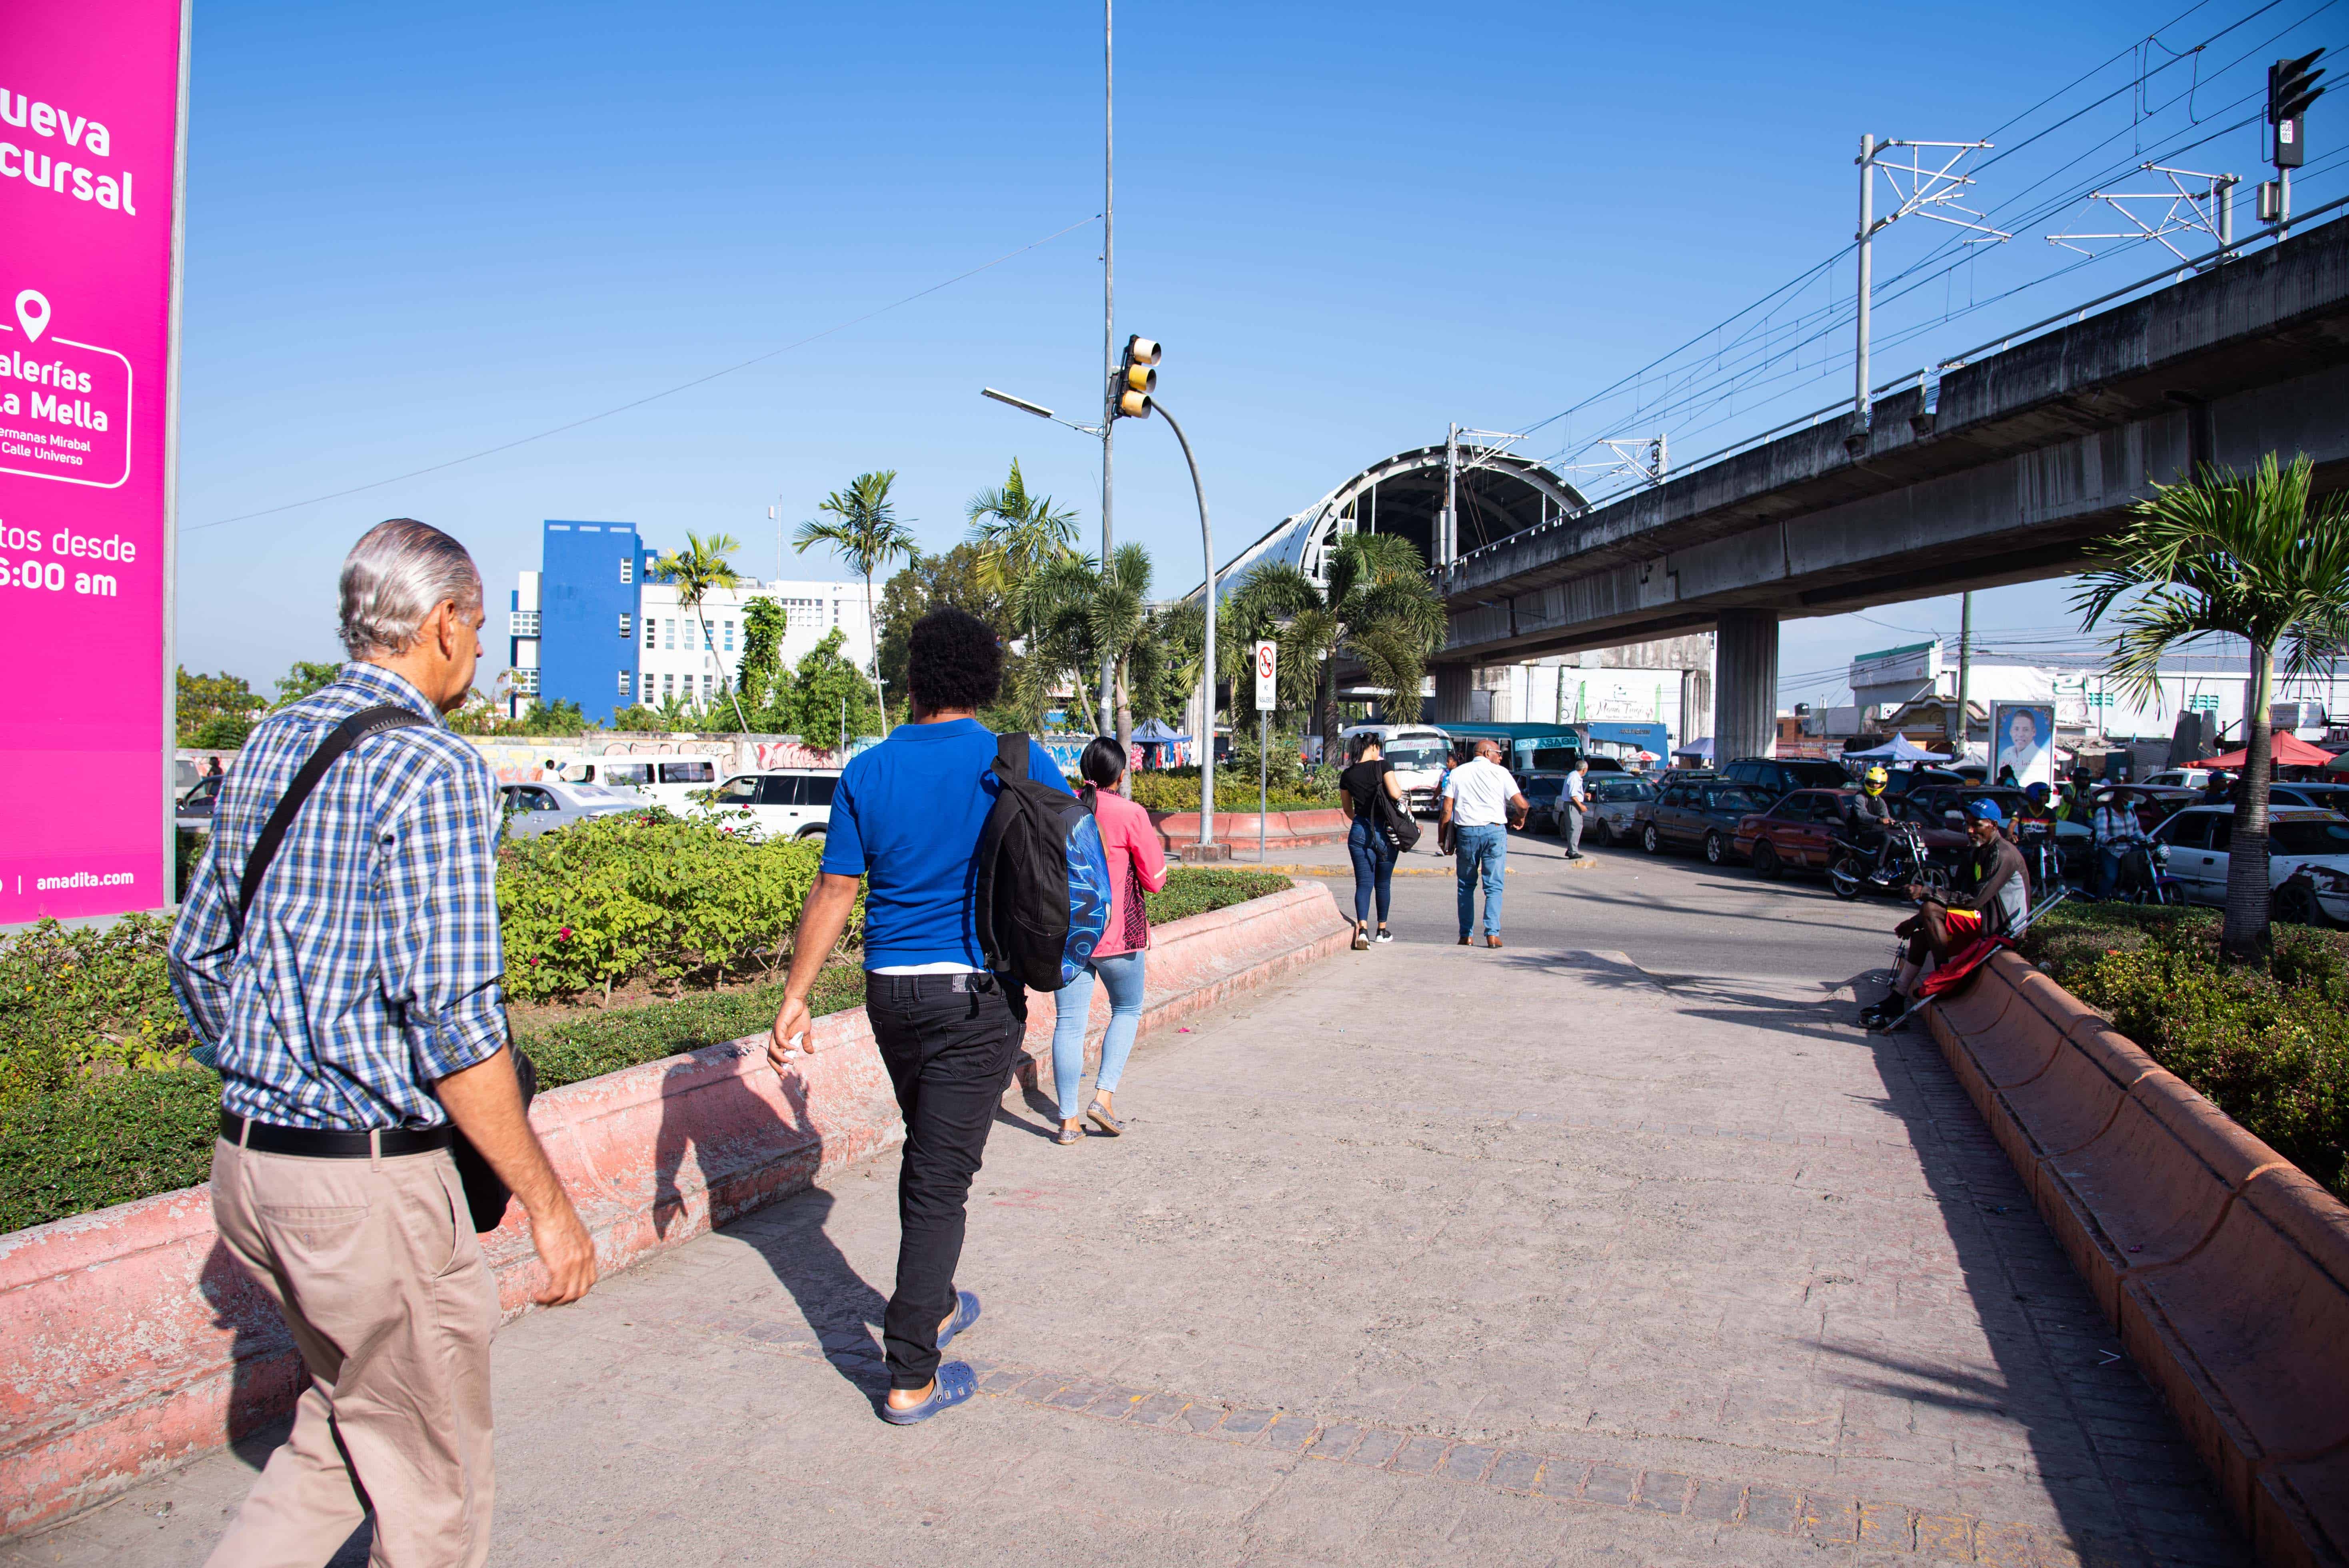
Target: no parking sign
(1267, 655)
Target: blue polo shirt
(906, 817)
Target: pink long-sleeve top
(1135, 857)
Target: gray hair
(399, 573)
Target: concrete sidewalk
(1429, 1253)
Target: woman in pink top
(1136, 865)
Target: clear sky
(416, 233)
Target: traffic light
(2291, 87)
(1136, 379)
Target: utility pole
(1109, 386)
(1965, 669)
(1448, 546)
(1866, 282)
(1207, 736)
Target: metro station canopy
(1499, 494)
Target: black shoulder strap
(346, 735)
(1011, 756)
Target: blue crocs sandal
(957, 1382)
(965, 1313)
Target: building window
(628, 568)
(704, 687)
(627, 627)
(522, 624)
(525, 682)
(668, 686)
(729, 636)
(626, 683)
(649, 686)
(652, 630)
(669, 635)
(709, 638)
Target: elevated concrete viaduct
(2021, 463)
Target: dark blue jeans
(1374, 864)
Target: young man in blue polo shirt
(906, 817)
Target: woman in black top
(1359, 787)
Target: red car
(1801, 830)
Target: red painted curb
(1178, 830)
(131, 1342)
(2225, 1269)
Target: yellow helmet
(1875, 780)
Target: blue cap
(1985, 810)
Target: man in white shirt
(1480, 802)
(1577, 802)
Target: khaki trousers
(375, 1266)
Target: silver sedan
(551, 803)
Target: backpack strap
(341, 738)
(1011, 756)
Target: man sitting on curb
(1999, 898)
(907, 816)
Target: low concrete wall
(1282, 830)
(132, 1341)
(2225, 1269)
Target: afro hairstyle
(953, 661)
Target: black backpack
(1043, 890)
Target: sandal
(1068, 1137)
(1112, 1125)
(955, 1383)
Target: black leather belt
(320, 1143)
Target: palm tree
(1024, 542)
(1119, 618)
(2239, 555)
(864, 529)
(696, 570)
(1376, 607)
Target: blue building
(572, 636)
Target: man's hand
(820, 924)
(792, 1022)
(485, 1103)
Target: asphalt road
(1671, 913)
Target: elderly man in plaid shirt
(357, 1014)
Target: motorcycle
(2042, 857)
(1905, 861)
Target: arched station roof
(1500, 494)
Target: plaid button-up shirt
(372, 959)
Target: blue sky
(416, 233)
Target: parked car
(2153, 803)
(1800, 830)
(1695, 809)
(1545, 796)
(2298, 836)
(1775, 777)
(676, 782)
(1900, 781)
(2321, 797)
(195, 813)
(1931, 808)
(530, 809)
(1614, 806)
(782, 803)
(2185, 778)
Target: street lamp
(1138, 404)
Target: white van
(676, 782)
(1416, 752)
(782, 802)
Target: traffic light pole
(1109, 334)
(1207, 652)
(1866, 282)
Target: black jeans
(950, 1042)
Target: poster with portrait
(2023, 738)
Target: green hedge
(79, 1132)
(1177, 790)
(644, 894)
(2267, 1043)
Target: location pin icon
(33, 313)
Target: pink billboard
(91, 124)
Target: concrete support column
(1745, 691)
(1452, 687)
(1696, 705)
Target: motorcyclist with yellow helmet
(1872, 814)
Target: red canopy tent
(2290, 751)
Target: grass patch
(73, 1138)
(2266, 1042)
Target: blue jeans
(1374, 864)
(1074, 1006)
(2107, 878)
(1480, 853)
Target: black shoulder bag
(485, 1194)
(1392, 822)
